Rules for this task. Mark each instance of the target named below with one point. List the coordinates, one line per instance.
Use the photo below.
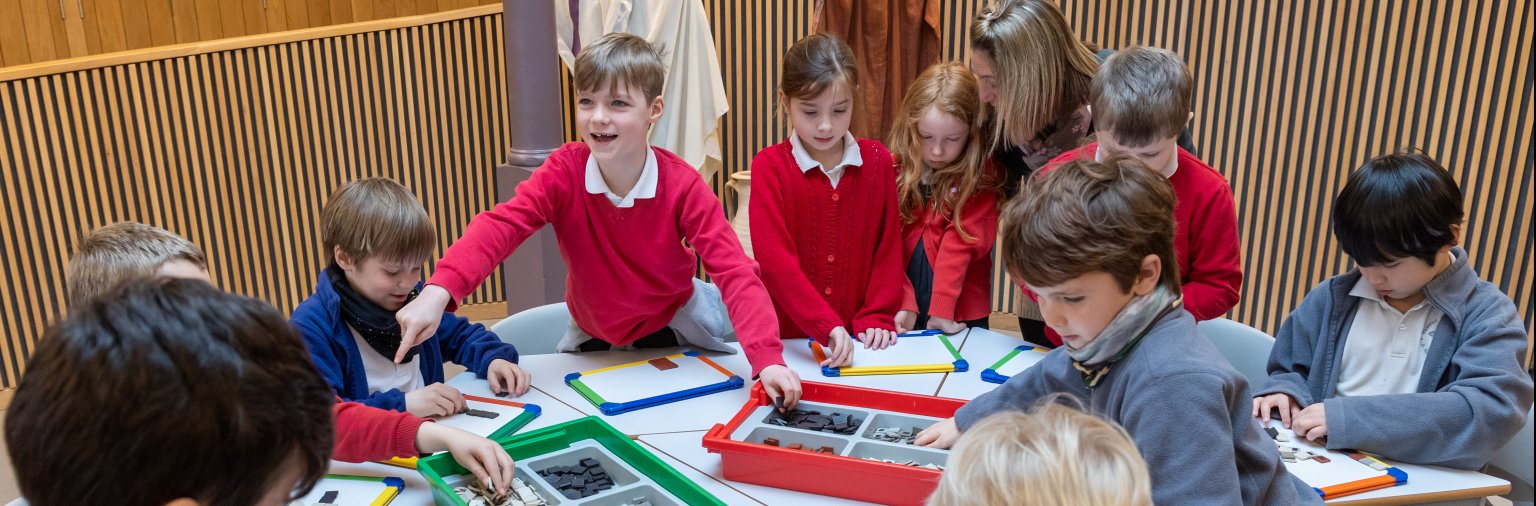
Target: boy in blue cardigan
(378, 237)
(1409, 356)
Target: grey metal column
(535, 274)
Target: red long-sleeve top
(1205, 236)
(628, 270)
(365, 433)
(962, 270)
(831, 256)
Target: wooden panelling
(92, 27)
(1289, 98)
(235, 143)
(237, 149)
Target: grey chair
(535, 331)
(1245, 347)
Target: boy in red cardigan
(1141, 101)
(621, 210)
(824, 221)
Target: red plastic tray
(832, 475)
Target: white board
(478, 426)
(643, 381)
(1021, 361)
(348, 492)
(1340, 468)
(914, 350)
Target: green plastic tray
(438, 468)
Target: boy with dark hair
(1141, 99)
(1411, 334)
(179, 370)
(378, 237)
(1095, 240)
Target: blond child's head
(113, 253)
(937, 135)
(379, 236)
(1054, 455)
(1141, 102)
(618, 78)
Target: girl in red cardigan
(947, 197)
(823, 210)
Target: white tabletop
(674, 431)
(981, 349)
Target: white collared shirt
(1384, 351)
(383, 373)
(803, 158)
(644, 188)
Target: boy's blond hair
(1054, 456)
(111, 254)
(619, 59)
(1142, 95)
(377, 217)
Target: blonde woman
(1054, 455)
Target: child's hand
(941, 435)
(944, 325)
(436, 399)
(877, 339)
(419, 319)
(839, 349)
(507, 377)
(480, 456)
(905, 320)
(1311, 423)
(1281, 402)
(780, 381)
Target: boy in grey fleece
(1471, 395)
(1091, 239)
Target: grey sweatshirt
(1472, 395)
(1187, 410)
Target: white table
(981, 349)
(674, 432)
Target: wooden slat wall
(34, 31)
(237, 150)
(1290, 97)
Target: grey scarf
(1122, 334)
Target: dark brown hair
(1085, 216)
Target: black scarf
(376, 324)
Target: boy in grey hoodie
(1095, 242)
(1409, 356)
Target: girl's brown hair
(1043, 71)
(815, 64)
(951, 89)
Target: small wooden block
(663, 364)
(482, 413)
(796, 446)
(329, 496)
(825, 449)
(1321, 458)
(771, 441)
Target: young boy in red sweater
(824, 220)
(621, 210)
(115, 254)
(1141, 101)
